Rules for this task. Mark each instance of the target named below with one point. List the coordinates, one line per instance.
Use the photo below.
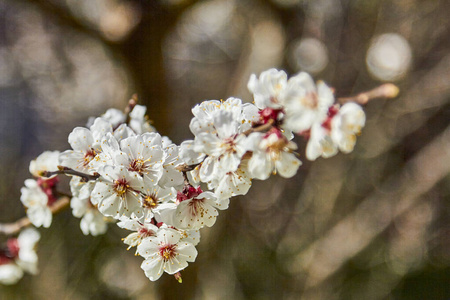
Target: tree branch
(16, 227)
(387, 90)
(68, 171)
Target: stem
(16, 227)
(186, 168)
(263, 127)
(186, 179)
(68, 171)
(131, 104)
(387, 90)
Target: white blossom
(86, 144)
(92, 221)
(346, 124)
(141, 230)
(27, 258)
(171, 176)
(138, 122)
(232, 183)
(166, 252)
(305, 103)
(267, 90)
(10, 273)
(114, 116)
(272, 153)
(224, 148)
(35, 200)
(46, 161)
(143, 155)
(320, 143)
(197, 209)
(122, 132)
(153, 197)
(117, 192)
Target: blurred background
(370, 225)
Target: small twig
(261, 128)
(186, 179)
(63, 194)
(131, 104)
(16, 227)
(68, 171)
(387, 90)
(186, 168)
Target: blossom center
(88, 156)
(168, 251)
(196, 207)
(144, 232)
(150, 201)
(137, 165)
(229, 145)
(310, 100)
(121, 186)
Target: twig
(131, 104)
(186, 168)
(261, 128)
(15, 227)
(387, 90)
(186, 179)
(68, 171)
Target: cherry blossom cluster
(122, 171)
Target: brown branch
(16, 227)
(68, 171)
(387, 90)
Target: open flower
(166, 252)
(232, 183)
(197, 209)
(305, 103)
(117, 192)
(268, 89)
(272, 153)
(347, 123)
(36, 202)
(320, 143)
(47, 161)
(224, 147)
(86, 144)
(141, 230)
(142, 155)
(92, 221)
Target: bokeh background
(373, 224)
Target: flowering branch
(145, 185)
(387, 90)
(16, 227)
